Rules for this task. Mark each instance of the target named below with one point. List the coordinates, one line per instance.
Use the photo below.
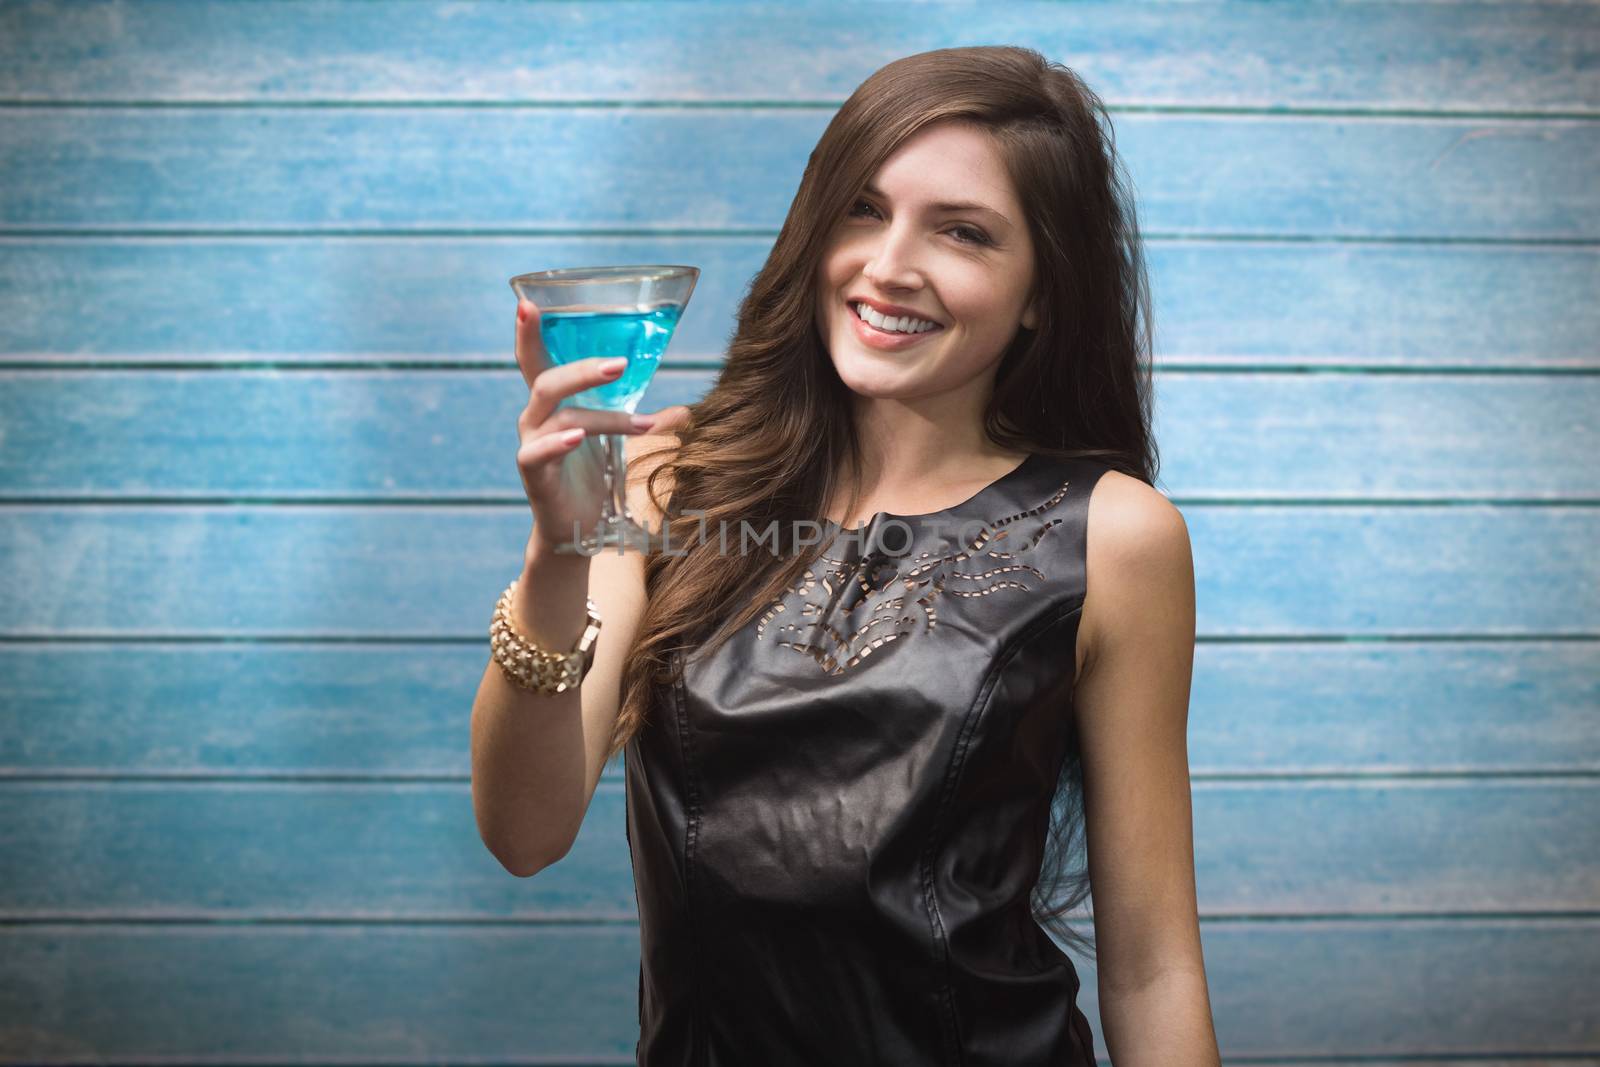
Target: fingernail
(643, 422)
(522, 311)
(612, 366)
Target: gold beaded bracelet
(538, 669)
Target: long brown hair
(766, 443)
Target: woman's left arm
(1132, 706)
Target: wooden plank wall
(257, 495)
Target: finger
(555, 383)
(531, 354)
(542, 447)
(670, 418)
(593, 420)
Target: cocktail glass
(611, 311)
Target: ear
(1030, 317)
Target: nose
(892, 266)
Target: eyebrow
(956, 205)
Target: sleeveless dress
(837, 819)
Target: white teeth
(903, 324)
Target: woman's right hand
(560, 456)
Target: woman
(857, 770)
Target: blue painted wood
(415, 571)
(1441, 56)
(1394, 705)
(442, 435)
(518, 993)
(390, 851)
(365, 709)
(736, 170)
(1237, 303)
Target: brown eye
(967, 234)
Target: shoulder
(1138, 559)
(1133, 520)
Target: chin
(877, 378)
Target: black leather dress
(837, 819)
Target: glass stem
(614, 509)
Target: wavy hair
(769, 439)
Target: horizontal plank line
(1443, 1059)
(1180, 364)
(391, 500)
(35, 363)
(1376, 113)
(16, 779)
(1177, 364)
(510, 233)
(22, 918)
(25, 919)
(412, 640)
(327, 1059)
(1448, 1059)
(97, 1058)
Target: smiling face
(967, 269)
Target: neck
(918, 459)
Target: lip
(873, 337)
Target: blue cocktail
(640, 335)
(631, 311)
